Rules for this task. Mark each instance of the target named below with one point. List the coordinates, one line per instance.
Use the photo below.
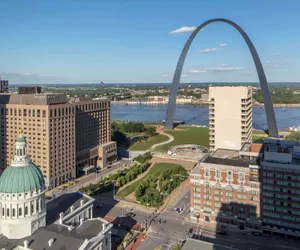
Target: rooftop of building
(63, 204)
(229, 157)
(83, 100)
(63, 237)
(192, 244)
(225, 153)
(33, 99)
(252, 148)
(281, 151)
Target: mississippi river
(286, 117)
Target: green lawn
(131, 135)
(141, 146)
(188, 135)
(154, 171)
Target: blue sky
(65, 41)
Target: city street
(173, 226)
(90, 178)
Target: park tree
(293, 136)
(151, 131)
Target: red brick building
(225, 187)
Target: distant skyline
(70, 41)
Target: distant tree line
(285, 97)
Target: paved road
(90, 178)
(178, 225)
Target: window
(26, 211)
(241, 176)
(7, 212)
(218, 173)
(206, 172)
(20, 211)
(229, 175)
(14, 212)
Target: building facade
(3, 86)
(281, 186)
(93, 145)
(59, 133)
(230, 117)
(48, 122)
(225, 187)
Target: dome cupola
(22, 195)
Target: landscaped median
(120, 178)
(153, 188)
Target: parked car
(220, 232)
(256, 234)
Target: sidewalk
(135, 244)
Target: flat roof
(63, 238)
(193, 244)
(63, 204)
(225, 153)
(227, 162)
(33, 99)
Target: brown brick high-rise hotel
(63, 136)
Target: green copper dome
(20, 179)
(21, 139)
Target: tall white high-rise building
(230, 116)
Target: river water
(286, 117)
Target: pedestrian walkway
(171, 138)
(136, 243)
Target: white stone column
(91, 214)
(34, 206)
(29, 209)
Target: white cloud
(208, 50)
(185, 75)
(183, 29)
(224, 65)
(279, 54)
(165, 75)
(196, 71)
(270, 64)
(226, 69)
(223, 44)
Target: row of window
(218, 174)
(281, 223)
(285, 170)
(278, 216)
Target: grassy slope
(154, 171)
(140, 146)
(188, 135)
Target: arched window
(7, 212)
(37, 206)
(20, 211)
(26, 211)
(3, 211)
(14, 212)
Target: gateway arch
(272, 125)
